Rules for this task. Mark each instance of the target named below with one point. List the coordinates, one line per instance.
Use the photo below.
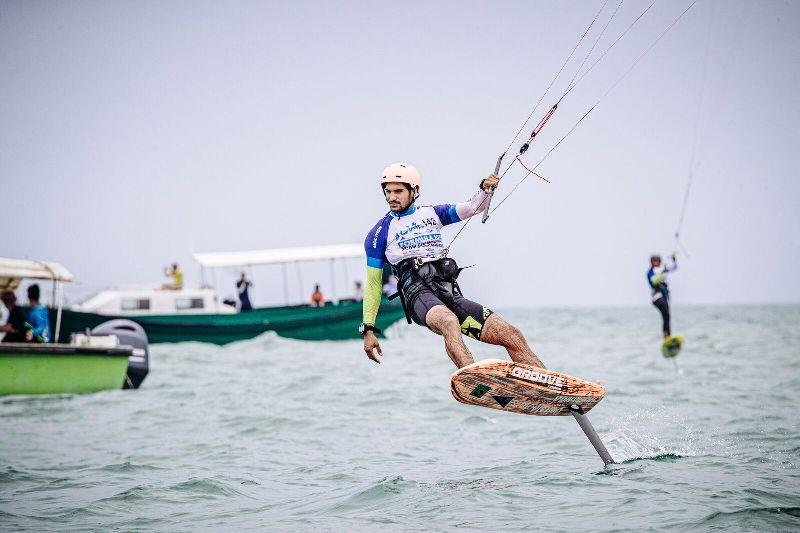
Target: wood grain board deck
(521, 388)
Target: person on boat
(358, 292)
(243, 288)
(177, 278)
(409, 238)
(390, 287)
(657, 278)
(37, 316)
(14, 328)
(317, 298)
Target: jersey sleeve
(452, 213)
(375, 244)
(375, 247)
(656, 277)
(373, 290)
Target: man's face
(397, 196)
(656, 263)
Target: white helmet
(400, 173)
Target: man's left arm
(452, 213)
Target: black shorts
(421, 297)
(662, 304)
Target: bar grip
(491, 191)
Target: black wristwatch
(364, 328)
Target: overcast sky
(135, 133)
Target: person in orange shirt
(317, 298)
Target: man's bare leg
(498, 331)
(444, 322)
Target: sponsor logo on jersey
(408, 229)
(554, 382)
(375, 239)
(421, 241)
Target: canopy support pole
(346, 275)
(333, 282)
(216, 293)
(252, 287)
(591, 434)
(285, 285)
(60, 291)
(299, 281)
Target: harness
(438, 275)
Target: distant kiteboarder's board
(671, 345)
(522, 388)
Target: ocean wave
(739, 519)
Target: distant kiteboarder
(657, 278)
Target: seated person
(177, 278)
(317, 299)
(37, 316)
(14, 327)
(358, 293)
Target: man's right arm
(375, 248)
(372, 294)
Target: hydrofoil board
(521, 388)
(671, 346)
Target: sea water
(275, 434)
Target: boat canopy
(279, 255)
(12, 271)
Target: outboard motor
(131, 334)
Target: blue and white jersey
(417, 231)
(657, 278)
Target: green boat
(197, 314)
(28, 368)
(114, 355)
(332, 322)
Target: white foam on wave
(659, 433)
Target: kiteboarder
(409, 238)
(657, 278)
